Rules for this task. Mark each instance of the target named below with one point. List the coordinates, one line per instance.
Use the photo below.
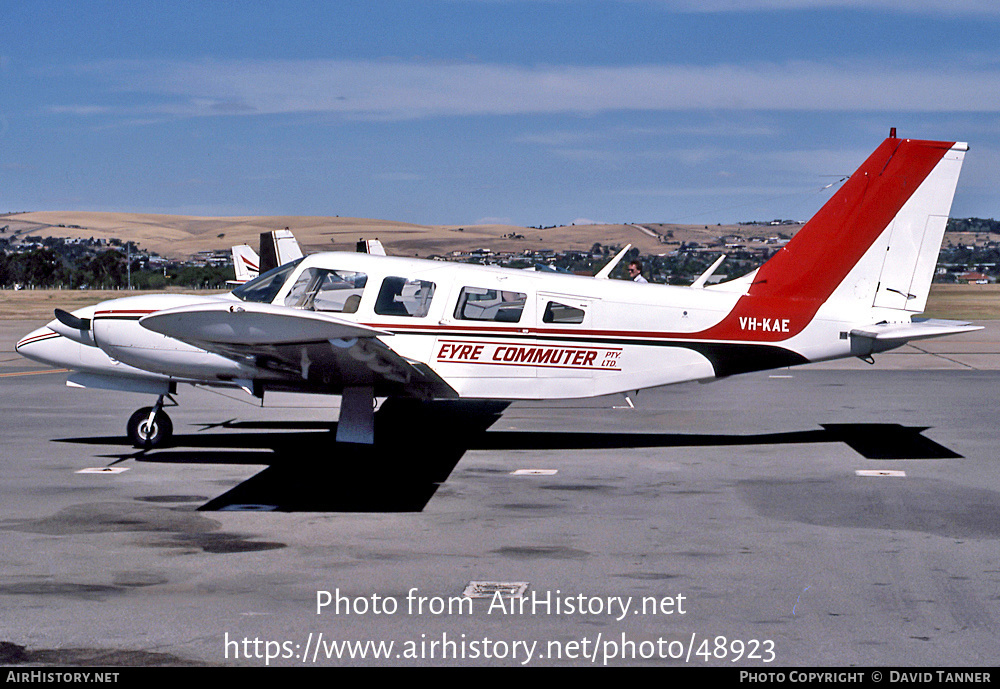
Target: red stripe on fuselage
(124, 313)
(36, 338)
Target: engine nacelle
(117, 332)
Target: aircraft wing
(309, 350)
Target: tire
(142, 435)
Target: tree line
(46, 268)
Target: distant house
(974, 279)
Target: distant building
(974, 278)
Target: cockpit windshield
(263, 289)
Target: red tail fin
(803, 275)
(821, 254)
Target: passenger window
(402, 297)
(561, 313)
(480, 304)
(321, 289)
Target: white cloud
(557, 138)
(80, 109)
(706, 191)
(402, 90)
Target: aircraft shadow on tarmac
(418, 446)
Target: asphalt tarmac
(721, 524)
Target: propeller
(71, 321)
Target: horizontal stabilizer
(884, 336)
(249, 323)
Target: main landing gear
(150, 427)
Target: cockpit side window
(265, 288)
(481, 304)
(561, 313)
(402, 297)
(323, 289)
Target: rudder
(915, 236)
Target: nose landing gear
(150, 427)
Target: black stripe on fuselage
(730, 358)
(727, 358)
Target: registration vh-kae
(364, 326)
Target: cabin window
(403, 297)
(562, 314)
(322, 289)
(480, 304)
(265, 288)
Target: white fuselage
(487, 332)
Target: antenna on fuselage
(605, 272)
(703, 278)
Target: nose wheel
(150, 427)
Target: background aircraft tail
(246, 262)
(370, 246)
(277, 248)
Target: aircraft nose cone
(24, 345)
(48, 347)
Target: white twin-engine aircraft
(363, 325)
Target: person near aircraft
(635, 271)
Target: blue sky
(462, 111)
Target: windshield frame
(264, 288)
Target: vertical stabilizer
(277, 248)
(873, 246)
(905, 185)
(370, 246)
(246, 263)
